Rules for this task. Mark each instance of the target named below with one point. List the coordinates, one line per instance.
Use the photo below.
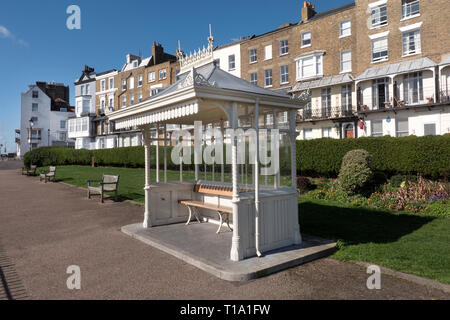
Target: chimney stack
(307, 11)
(157, 53)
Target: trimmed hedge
(133, 157)
(429, 156)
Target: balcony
(395, 104)
(331, 113)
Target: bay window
(309, 66)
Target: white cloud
(6, 34)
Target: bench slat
(200, 204)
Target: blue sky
(35, 44)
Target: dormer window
(35, 94)
(135, 64)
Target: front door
(349, 132)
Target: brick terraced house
(368, 68)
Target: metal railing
(336, 112)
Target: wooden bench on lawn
(107, 184)
(220, 191)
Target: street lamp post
(48, 138)
(30, 134)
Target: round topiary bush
(356, 172)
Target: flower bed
(419, 197)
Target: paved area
(199, 245)
(44, 228)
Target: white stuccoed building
(228, 58)
(81, 126)
(45, 111)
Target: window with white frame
(309, 66)
(131, 99)
(253, 55)
(380, 49)
(378, 16)
(124, 101)
(102, 104)
(268, 77)
(62, 124)
(111, 83)
(111, 102)
(377, 128)
(62, 136)
(413, 88)
(103, 85)
(82, 90)
(135, 64)
(307, 134)
(284, 117)
(284, 74)
(346, 99)
(231, 62)
(162, 74)
(124, 84)
(87, 89)
(84, 124)
(326, 102)
(254, 78)
(151, 76)
(346, 61)
(35, 94)
(345, 28)
(326, 132)
(131, 82)
(34, 107)
(140, 77)
(411, 42)
(410, 8)
(306, 39)
(402, 129)
(284, 47)
(140, 97)
(268, 52)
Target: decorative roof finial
(210, 38)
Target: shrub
(356, 172)
(304, 184)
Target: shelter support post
(165, 153)
(293, 137)
(157, 153)
(257, 203)
(237, 251)
(147, 146)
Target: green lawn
(414, 244)
(404, 242)
(131, 183)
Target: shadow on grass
(130, 196)
(357, 225)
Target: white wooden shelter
(264, 217)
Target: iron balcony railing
(309, 113)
